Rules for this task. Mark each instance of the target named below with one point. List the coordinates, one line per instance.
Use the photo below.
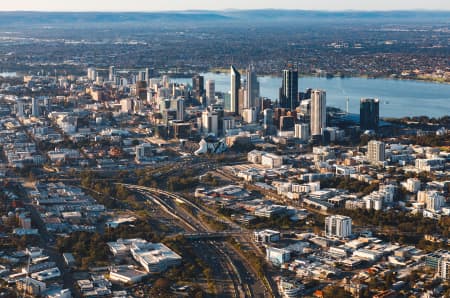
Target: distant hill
(63, 19)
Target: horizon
(207, 5)
(229, 10)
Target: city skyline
(140, 5)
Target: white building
(301, 131)
(210, 122)
(373, 201)
(250, 115)
(277, 256)
(126, 105)
(318, 112)
(154, 257)
(271, 160)
(126, 274)
(338, 226)
(255, 156)
(434, 201)
(290, 288)
(443, 270)
(143, 151)
(47, 274)
(267, 236)
(376, 152)
(412, 185)
(428, 165)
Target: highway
(242, 281)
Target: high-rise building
(252, 95)
(338, 226)
(235, 85)
(210, 122)
(301, 131)
(369, 113)
(268, 118)
(287, 123)
(20, 108)
(289, 89)
(250, 115)
(375, 151)
(180, 109)
(210, 90)
(143, 75)
(126, 105)
(35, 107)
(92, 73)
(318, 112)
(198, 86)
(112, 73)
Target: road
(47, 242)
(242, 281)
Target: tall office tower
(92, 73)
(338, 226)
(287, 123)
(268, 118)
(112, 74)
(302, 131)
(20, 108)
(210, 90)
(252, 95)
(198, 86)
(369, 114)
(318, 112)
(289, 89)
(210, 122)
(143, 75)
(35, 107)
(180, 109)
(375, 151)
(234, 91)
(241, 100)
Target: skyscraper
(210, 90)
(34, 107)
(268, 118)
(210, 122)
(301, 131)
(369, 113)
(112, 73)
(20, 108)
(252, 95)
(375, 152)
(235, 85)
(92, 73)
(143, 75)
(180, 109)
(198, 86)
(318, 111)
(289, 89)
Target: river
(398, 98)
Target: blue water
(398, 98)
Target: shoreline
(13, 74)
(434, 81)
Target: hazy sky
(154, 5)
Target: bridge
(208, 235)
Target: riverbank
(340, 76)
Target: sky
(163, 5)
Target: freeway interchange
(233, 275)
